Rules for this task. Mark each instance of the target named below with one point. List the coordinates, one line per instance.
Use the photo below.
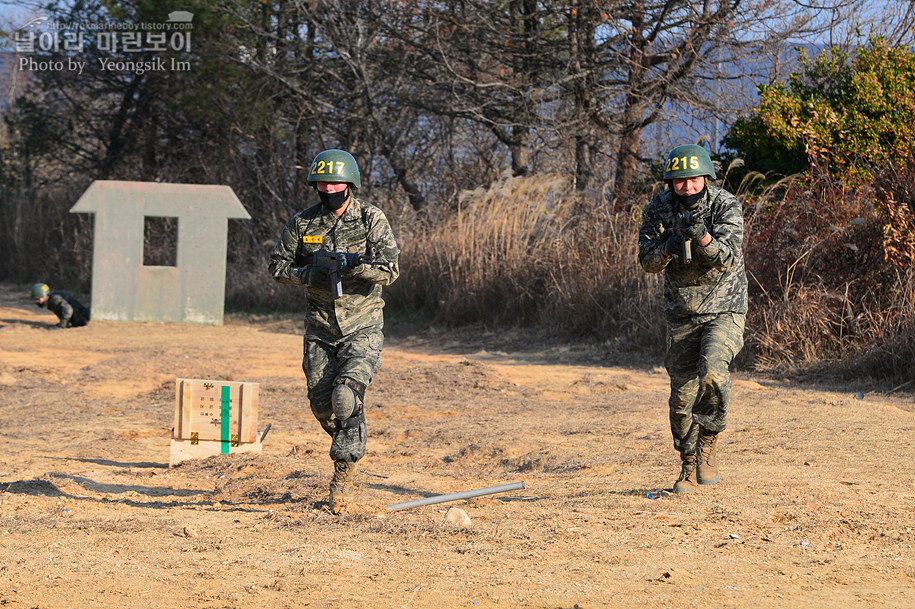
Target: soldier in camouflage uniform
(69, 311)
(343, 336)
(693, 232)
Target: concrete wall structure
(193, 290)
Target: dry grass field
(815, 508)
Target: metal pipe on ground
(489, 490)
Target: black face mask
(690, 202)
(333, 200)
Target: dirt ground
(815, 508)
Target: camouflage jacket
(362, 229)
(715, 281)
(68, 310)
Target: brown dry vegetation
(815, 507)
(529, 252)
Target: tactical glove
(351, 266)
(692, 229)
(673, 247)
(316, 277)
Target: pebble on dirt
(458, 518)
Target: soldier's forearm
(289, 274)
(717, 255)
(653, 259)
(382, 275)
(66, 313)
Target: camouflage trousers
(326, 363)
(698, 356)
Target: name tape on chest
(313, 239)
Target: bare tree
(701, 60)
(481, 63)
(336, 65)
(579, 81)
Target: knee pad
(343, 400)
(346, 401)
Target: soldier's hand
(673, 247)
(691, 228)
(351, 266)
(317, 277)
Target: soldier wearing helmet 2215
(343, 335)
(693, 233)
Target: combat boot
(707, 471)
(686, 483)
(341, 485)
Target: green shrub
(845, 115)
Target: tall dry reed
(529, 251)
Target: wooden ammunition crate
(213, 417)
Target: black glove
(351, 266)
(303, 275)
(316, 277)
(691, 228)
(673, 247)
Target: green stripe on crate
(225, 418)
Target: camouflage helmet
(688, 161)
(39, 290)
(334, 166)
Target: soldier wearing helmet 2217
(693, 233)
(343, 335)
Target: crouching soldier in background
(693, 232)
(342, 250)
(69, 311)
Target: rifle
(334, 262)
(695, 213)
